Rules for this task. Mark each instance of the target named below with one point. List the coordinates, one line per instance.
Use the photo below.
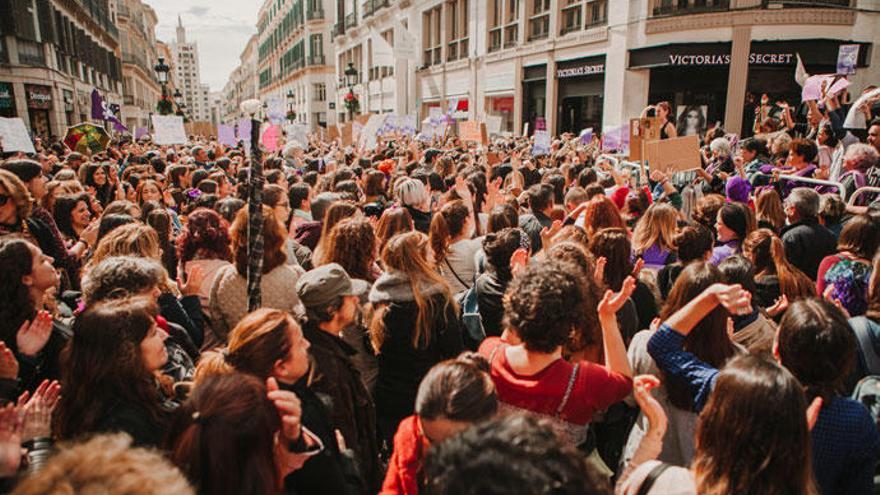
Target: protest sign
(855, 118)
(847, 58)
(680, 153)
(493, 124)
(332, 132)
(347, 133)
(14, 136)
(297, 133)
(407, 125)
(226, 135)
(542, 143)
(368, 138)
(471, 130)
(168, 129)
(270, 137)
(646, 129)
(822, 85)
(140, 132)
(586, 136)
(275, 110)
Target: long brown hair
(408, 254)
(352, 244)
(102, 365)
(767, 253)
(752, 436)
(392, 222)
(337, 212)
(274, 240)
(255, 344)
(446, 224)
(223, 437)
(602, 213)
(709, 340)
(768, 208)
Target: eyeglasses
(4, 198)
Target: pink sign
(270, 137)
(820, 86)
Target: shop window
(457, 30)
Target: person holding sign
(663, 110)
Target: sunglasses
(4, 198)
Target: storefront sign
(584, 70)
(724, 59)
(6, 99)
(39, 97)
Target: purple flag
(226, 135)
(616, 138)
(244, 130)
(101, 111)
(586, 136)
(140, 132)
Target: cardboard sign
(14, 136)
(332, 132)
(270, 137)
(680, 153)
(822, 85)
(646, 129)
(168, 129)
(226, 135)
(347, 133)
(541, 147)
(471, 130)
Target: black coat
(806, 243)
(490, 289)
(136, 420)
(402, 366)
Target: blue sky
(221, 28)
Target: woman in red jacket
(453, 395)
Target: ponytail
(793, 283)
(438, 236)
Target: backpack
(470, 317)
(867, 391)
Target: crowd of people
(446, 318)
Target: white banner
(370, 132)
(14, 136)
(298, 133)
(168, 129)
(493, 124)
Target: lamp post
(291, 116)
(351, 75)
(255, 209)
(162, 70)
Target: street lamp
(291, 115)
(351, 75)
(162, 70)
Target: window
(457, 29)
(583, 14)
(431, 42)
(316, 49)
(539, 20)
(320, 91)
(503, 24)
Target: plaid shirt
(666, 348)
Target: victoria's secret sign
(724, 59)
(583, 70)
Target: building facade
(53, 53)
(596, 63)
(188, 77)
(137, 41)
(295, 57)
(242, 83)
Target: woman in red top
(452, 396)
(542, 307)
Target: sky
(220, 27)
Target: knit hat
(738, 189)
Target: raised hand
(36, 413)
(518, 261)
(612, 301)
(8, 363)
(194, 282)
(642, 386)
(547, 233)
(734, 298)
(289, 409)
(33, 336)
(10, 441)
(599, 272)
(779, 306)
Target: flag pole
(255, 211)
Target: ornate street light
(164, 106)
(351, 101)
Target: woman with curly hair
(228, 298)
(414, 326)
(109, 373)
(352, 244)
(543, 305)
(73, 215)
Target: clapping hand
(642, 386)
(33, 336)
(612, 301)
(10, 441)
(547, 234)
(8, 363)
(734, 298)
(36, 411)
(194, 281)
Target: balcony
(316, 60)
(683, 7)
(338, 29)
(350, 20)
(313, 15)
(30, 53)
(802, 4)
(372, 6)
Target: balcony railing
(350, 20)
(316, 60)
(809, 3)
(338, 29)
(680, 7)
(312, 15)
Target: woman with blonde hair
(774, 275)
(414, 326)
(352, 244)
(412, 195)
(654, 236)
(768, 211)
